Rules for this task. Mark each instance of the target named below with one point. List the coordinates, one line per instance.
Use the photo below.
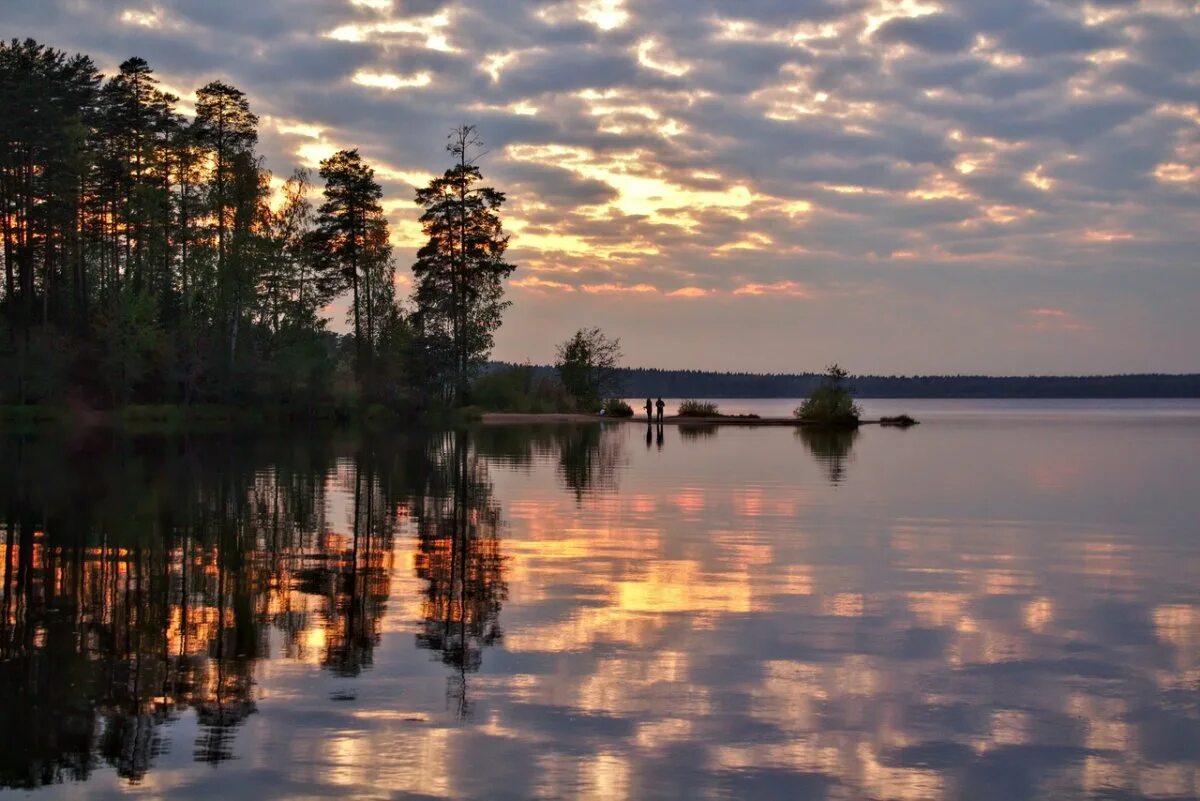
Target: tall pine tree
(459, 290)
(352, 248)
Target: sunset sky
(1001, 186)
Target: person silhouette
(649, 411)
(659, 405)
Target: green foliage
(38, 363)
(587, 364)
(129, 337)
(831, 403)
(301, 366)
(695, 408)
(520, 389)
(615, 407)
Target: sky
(901, 186)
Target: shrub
(615, 407)
(521, 389)
(831, 403)
(469, 414)
(695, 408)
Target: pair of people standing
(650, 406)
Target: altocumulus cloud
(903, 185)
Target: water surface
(1001, 603)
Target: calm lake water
(1002, 603)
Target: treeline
(643, 382)
(150, 256)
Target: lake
(1001, 603)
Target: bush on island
(615, 407)
(831, 403)
(695, 408)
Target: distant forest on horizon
(643, 381)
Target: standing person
(658, 404)
(649, 411)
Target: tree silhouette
(115, 210)
(587, 364)
(351, 240)
(460, 270)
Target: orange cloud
(611, 289)
(691, 292)
(1051, 319)
(1107, 236)
(532, 282)
(791, 289)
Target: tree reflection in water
(460, 558)
(695, 432)
(143, 577)
(831, 446)
(148, 576)
(588, 460)
(588, 456)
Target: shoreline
(167, 417)
(519, 418)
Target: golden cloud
(791, 289)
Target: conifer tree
(459, 291)
(351, 245)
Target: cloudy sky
(1004, 186)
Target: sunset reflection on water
(958, 611)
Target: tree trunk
(9, 256)
(353, 243)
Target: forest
(150, 257)
(638, 382)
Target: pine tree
(351, 244)
(460, 271)
(43, 159)
(227, 132)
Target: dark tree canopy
(149, 257)
(352, 248)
